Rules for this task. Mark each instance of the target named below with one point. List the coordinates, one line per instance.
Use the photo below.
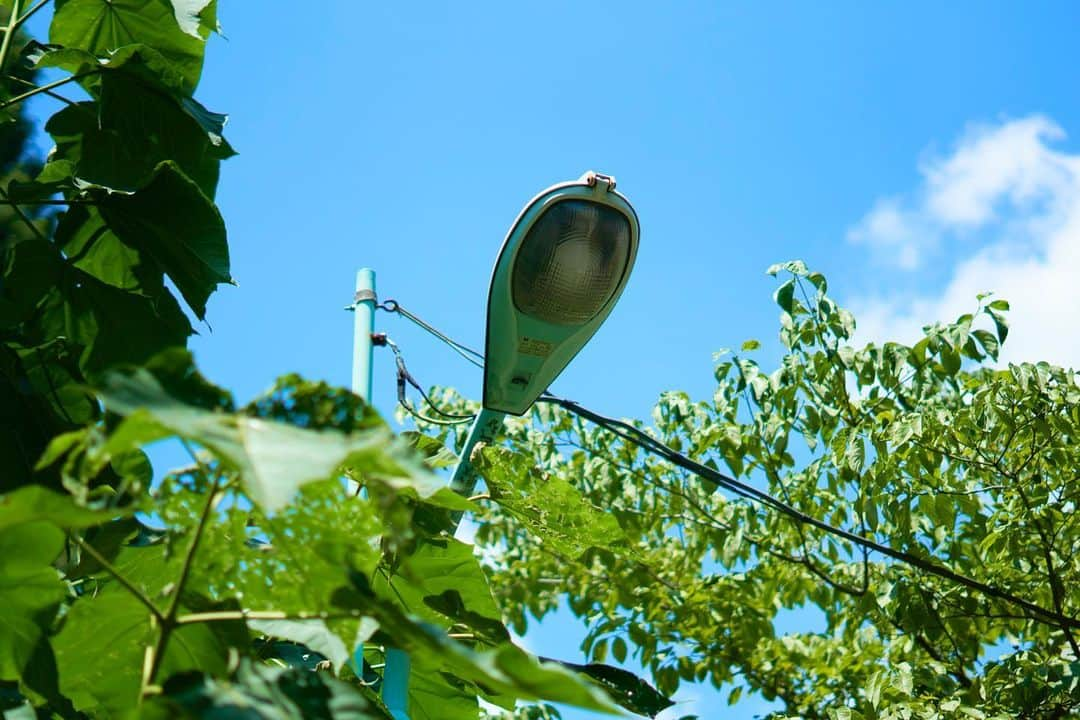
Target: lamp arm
(485, 429)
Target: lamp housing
(563, 265)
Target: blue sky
(917, 153)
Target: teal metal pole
(395, 687)
(363, 325)
(485, 429)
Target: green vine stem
(9, 32)
(169, 622)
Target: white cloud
(1007, 204)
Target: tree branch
(169, 622)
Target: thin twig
(50, 93)
(29, 13)
(26, 219)
(233, 615)
(17, 203)
(100, 559)
(45, 88)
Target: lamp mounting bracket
(592, 179)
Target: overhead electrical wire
(629, 433)
(474, 357)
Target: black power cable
(632, 434)
(629, 433)
(405, 377)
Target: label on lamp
(532, 346)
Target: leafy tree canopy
(932, 450)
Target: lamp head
(560, 271)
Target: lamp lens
(571, 262)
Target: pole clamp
(364, 296)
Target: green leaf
(785, 296)
(30, 591)
(173, 222)
(795, 267)
(315, 635)
(120, 627)
(137, 59)
(988, 341)
(434, 696)
(855, 453)
(1001, 324)
(549, 506)
(501, 674)
(260, 692)
(442, 582)
(90, 246)
(34, 503)
(138, 124)
(618, 649)
(950, 358)
(903, 681)
(111, 326)
(436, 455)
(274, 459)
(101, 27)
(625, 688)
(750, 345)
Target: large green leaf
(443, 583)
(274, 459)
(109, 326)
(435, 696)
(501, 674)
(102, 675)
(177, 29)
(92, 247)
(172, 221)
(140, 126)
(625, 688)
(34, 504)
(548, 505)
(260, 692)
(315, 634)
(30, 590)
(137, 123)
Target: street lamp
(560, 271)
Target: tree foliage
(269, 577)
(305, 529)
(929, 449)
